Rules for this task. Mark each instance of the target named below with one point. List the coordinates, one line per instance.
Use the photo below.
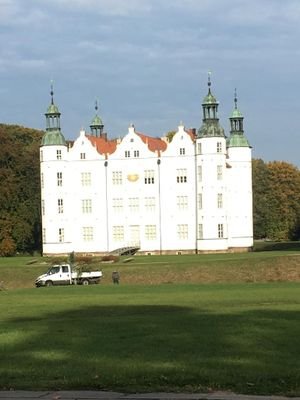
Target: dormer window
(82, 156)
(182, 151)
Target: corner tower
(240, 218)
(212, 233)
(54, 178)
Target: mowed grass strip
(180, 337)
(263, 266)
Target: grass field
(240, 337)
(177, 323)
(280, 264)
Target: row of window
(219, 148)
(149, 177)
(118, 232)
(134, 204)
(136, 153)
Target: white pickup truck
(62, 274)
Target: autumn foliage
(19, 190)
(276, 200)
(276, 194)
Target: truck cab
(59, 275)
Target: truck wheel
(85, 282)
(49, 283)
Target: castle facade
(191, 194)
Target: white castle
(191, 194)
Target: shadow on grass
(147, 348)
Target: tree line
(276, 194)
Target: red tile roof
(102, 145)
(154, 144)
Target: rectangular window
(118, 233)
(88, 233)
(199, 148)
(127, 153)
(43, 207)
(59, 179)
(182, 151)
(60, 206)
(182, 231)
(82, 156)
(134, 235)
(150, 232)
(149, 176)
(117, 204)
(181, 175)
(136, 153)
(220, 200)
(182, 202)
(220, 231)
(150, 204)
(199, 173)
(117, 177)
(41, 155)
(219, 147)
(44, 235)
(200, 231)
(42, 180)
(219, 172)
(86, 206)
(134, 204)
(58, 154)
(86, 179)
(61, 235)
(200, 204)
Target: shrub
(7, 247)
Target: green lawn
(282, 264)
(242, 337)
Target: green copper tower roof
(96, 124)
(210, 126)
(237, 137)
(53, 135)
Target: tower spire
(209, 80)
(237, 137)
(210, 126)
(235, 99)
(53, 135)
(96, 124)
(51, 91)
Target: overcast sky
(146, 61)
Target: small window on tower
(219, 172)
(58, 154)
(199, 148)
(220, 231)
(61, 235)
(59, 178)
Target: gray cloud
(147, 61)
